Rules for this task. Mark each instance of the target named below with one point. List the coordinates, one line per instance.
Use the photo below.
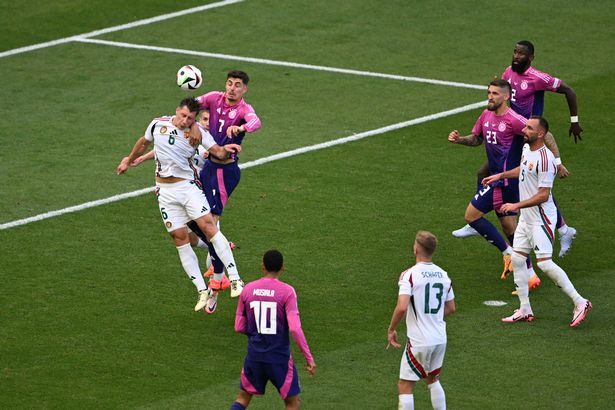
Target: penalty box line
(280, 63)
(121, 27)
(250, 164)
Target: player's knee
(208, 226)
(546, 265)
(405, 386)
(292, 402)
(518, 260)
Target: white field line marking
(280, 63)
(118, 28)
(254, 163)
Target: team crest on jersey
(232, 114)
(531, 166)
(502, 127)
(168, 224)
(486, 124)
(163, 129)
(524, 85)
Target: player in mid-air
(267, 312)
(536, 228)
(425, 297)
(500, 128)
(179, 195)
(231, 117)
(528, 86)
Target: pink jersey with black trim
(503, 139)
(528, 90)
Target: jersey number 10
(265, 315)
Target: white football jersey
(173, 154)
(537, 170)
(199, 157)
(429, 287)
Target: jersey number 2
(265, 314)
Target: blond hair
(427, 242)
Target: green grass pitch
(95, 310)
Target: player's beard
(493, 106)
(519, 68)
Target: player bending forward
(536, 227)
(267, 312)
(429, 288)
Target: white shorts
(420, 362)
(180, 202)
(538, 238)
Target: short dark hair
(544, 124)
(191, 103)
(273, 260)
(527, 44)
(242, 75)
(500, 82)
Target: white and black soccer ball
(189, 77)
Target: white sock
(560, 278)
(201, 244)
(223, 249)
(522, 276)
(218, 276)
(562, 230)
(438, 398)
(508, 251)
(191, 266)
(406, 402)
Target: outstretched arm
(511, 173)
(137, 150)
(571, 99)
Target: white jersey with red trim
(538, 170)
(429, 287)
(173, 154)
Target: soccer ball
(189, 77)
